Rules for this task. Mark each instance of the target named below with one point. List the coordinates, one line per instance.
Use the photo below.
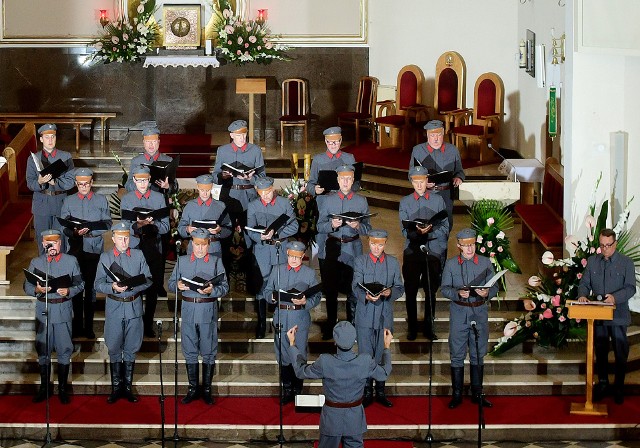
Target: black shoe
(381, 396)
(412, 335)
(149, 333)
(600, 391)
(456, 401)
(261, 329)
(618, 397)
(89, 334)
(485, 403)
(162, 292)
(431, 336)
(287, 396)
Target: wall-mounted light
(262, 16)
(104, 19)
(557, 49)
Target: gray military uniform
(60, 314)
(459, 272)
(199, 329)
(92, 207)
(210, 210)
(301, 279)
(145, 158)
(47, 200)
(123, 319)
(326, 161)
(151, 200)
(373, 317)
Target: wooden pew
(17, 153)
(15, 210)
(544, 221)
(74, 118)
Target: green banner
(553, 113)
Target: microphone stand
(161, 398)
(281, 440)
(481, 394)
(47, 437)
(429, 438)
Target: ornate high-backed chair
(365, 112)
(295, 107)
(400, 115)
(450, 87)
(483, 121)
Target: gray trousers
(334, 441)
(123, 345)
(461, 337)
(59, 338)
(199, 339)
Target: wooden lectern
(251, 86)
(590, 312)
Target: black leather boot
(63, 375)
(351, 309)
(381, 396)
(261, 328)
(298, 383)
(44, 377)
(128, 382)
(477, 373)
(88, 321)
(457, 379)
(194, 375)
(287, 386)
(116, 382)
(207, 376)
(367, 398)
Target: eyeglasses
(83, 184)
(607, 246)
(333, 142)
(143, 179)
(467, 245)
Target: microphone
(178, 243)
(599, 297)
(159, 325)
(278, 243)
(48, 246)
(474, 328)
(424, 249)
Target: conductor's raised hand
(291, 335)
(388, 337)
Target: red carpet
(391, 158)
(195, 152)
(380, 444)
(409, 411)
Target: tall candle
(307, 166)
(294, 164)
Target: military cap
(140, 171)
(434, 125)
(238, 127)
(83, 174)
(204, 179)
(418, 172)
(466, 234)
(264, 183)
(120, 228)
(47, 129)
(151, 133)
(296, 248)
(345, 169)
(333, 133)
(344, 334)
(51, 235)
(200, 235)
(378, 235)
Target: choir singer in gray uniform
(436, 156)
(374, 310)
(262, 212)
(48, 193)
(151, 154)
(57, 264)
(86, 245)
(611, 278)
(199, 314)
(123, 310)
(469, 314)
(292, 275)
(343, 378)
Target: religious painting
(181, 26)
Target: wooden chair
(295, 107)
(482, 123)
(365, 112)
(400, 115)
(450, 87)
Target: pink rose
(535, 281)
(529, 305)
(268, 45)
(548, 314)
(593, 250)
(579, 275)
(229, 29)
(561, 318)
(558, 310)
(238, 52)
(543, 305)
(226, 13)
(559, 291)
(492, 254)
(583, 262)
(500, 235)
(500, 249)
(115, 39)
(483, 250)
(229, 42)
(489, 244)
(510, 329)
(479, 239)
(240, 40)
(578, 321)
(490, 221)
(547, 258)
(252, 39)
(259, 48)
(555, 300)
(246, 45)
(540, 317)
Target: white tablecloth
(181, 61)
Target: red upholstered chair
(295, 107)
(365, 112)
(400, 115)
(450, 87)
(483, 121)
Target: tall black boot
(261, 328)
(207, 376)
(412, 317)
(381, 396)
(457, 379)
(298, 383)
(287, 386)
(367, 398)
(88, 320)
(128, 382)
(477, 372)
(351, 309)
(194, 375)
(63, 375)
(116, 382)
(42, 391)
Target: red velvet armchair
(295, 107)
(365, 112)
(451, 77)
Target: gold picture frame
(182, 26)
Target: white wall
(417, 32)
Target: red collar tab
(462, 260)
(89, 196)
(289, 267)
(51, 154)
(336, 155)
(376, 260)
(146, 195)
(207, 203)
(342, 196)
(57, 258)
(118, 253)
(154, 157)
(272, 202)
(430, 149)
(242, 148)
(205, 258)
(417, 197)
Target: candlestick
(307, 166)
(294, 164)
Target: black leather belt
(199, 299)
(55, 301)
(242, 187)
(272, 241)
(440, 188)
(336, 404)
(125, 299)
(53, 193)
(344, 239)
(469, 304)
(290, 307)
